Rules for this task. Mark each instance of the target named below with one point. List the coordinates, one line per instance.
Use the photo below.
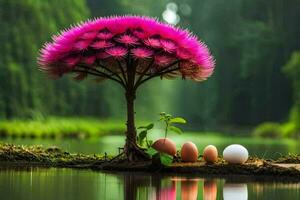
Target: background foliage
(256, 78)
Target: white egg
(235, 154)
(236, 191)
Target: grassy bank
(277, 130)
(22, 156)
(60, 127)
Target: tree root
(134, 153)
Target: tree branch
(93, 69)
(159, 73)
(114, 73)
(144, 72)
(98, 73)
(122, 70)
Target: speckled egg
(235, 154)
(210, 154)
(189, 152)
(165, 145)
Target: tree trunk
(132, 151)
(131, 131)
(131, 145)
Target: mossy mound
(290, 158)
(53, 156)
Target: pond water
(43, 183)
(264, 148)
(71, 184)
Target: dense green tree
(25, 26)
(292, 69)
(251, 41)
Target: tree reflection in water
(158, 187)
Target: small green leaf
(140, 141)
(142, 136)
(168, 115)
(150, 142)
(166, 159)
(175, 129)
(162, 113)
(178, 120)
(151, 152)
(148, 127)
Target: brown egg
(165, 145)
(189, 152)
(210, 154)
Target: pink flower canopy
(106, 43)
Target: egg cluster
(234, 154)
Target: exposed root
(134, 153)
(117, 157)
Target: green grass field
(54, 127)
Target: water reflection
(237, 191)
(210, 189)
(189, 189)
(168, 191)
(68, 184)
(184, 188)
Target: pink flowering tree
(128, 50)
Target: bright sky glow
(170, 14)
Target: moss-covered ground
(287, 167)
(39, 156)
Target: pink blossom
(128, 39)
(101, 44)
(168, 45)
(72, 61)
(105, 35)
(152, 42)
(140, 33)
(142, 52)
(116, 52)
(163, 60)
(183, 54)
(114, 37)
(89, 35)
(89, 60)
(82, 44)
